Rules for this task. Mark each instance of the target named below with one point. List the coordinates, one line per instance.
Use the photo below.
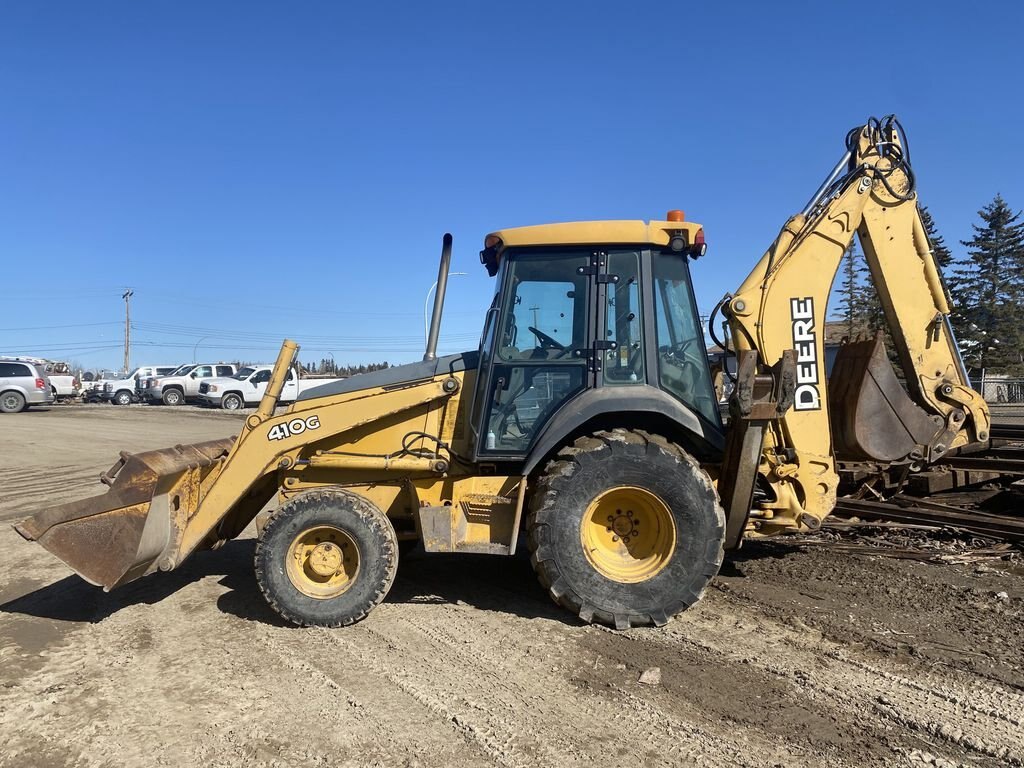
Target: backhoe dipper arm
(782, 305)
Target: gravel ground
(798, 655)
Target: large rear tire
(625, 529)
(326, 558)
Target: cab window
(542, 335)
(546, 314)
(623, 364)
(682, 358)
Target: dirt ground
(798, 655)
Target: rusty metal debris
(910, 541)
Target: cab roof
(631, 232)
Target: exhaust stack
(442, 286)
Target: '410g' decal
(293, 427)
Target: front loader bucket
(137, 524)
(872, 416)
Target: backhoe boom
(782, 306)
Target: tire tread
(543, 514)
(368, 515)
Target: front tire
(123, 398)
(625, 529)
(326, 558)
(173, 397)
(231, 402)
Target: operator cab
(589, 306)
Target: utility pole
(534, 310)
(127, 296)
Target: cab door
(542, 353)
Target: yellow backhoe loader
(586, 417)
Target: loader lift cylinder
(282, 365)
(442, 286)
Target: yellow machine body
(163, 505)
(407, 446)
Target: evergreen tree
(870, 318)
(849, 290)
(857, 303)
(989, 289)
(943, 256)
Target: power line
(35, 350)
(67, 345)
(53, 327)
(311, 347)
(218, 303)
(225, 334)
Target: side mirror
(192, 375)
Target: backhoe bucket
(872, 416)
(136, 526)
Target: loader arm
(782, 306)
(163, 505)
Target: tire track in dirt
(422, 692)
(382, 720)
(976, 720)
(528, 695)
(28, 490)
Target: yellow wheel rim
(628, 534)
(322, 562)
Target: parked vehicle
(144, 384)
(23, 383)
(92, 383)
(246, 388)
(125, 391)
(181, 388)
(63, 383)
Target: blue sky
(261, 170)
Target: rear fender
(644, 404)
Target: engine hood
(400, 374)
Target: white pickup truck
(63, 382)
(246, 388)
(182, 386)
(125, 391)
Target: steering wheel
(686, 345)
(681, 356)
(546, 342)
